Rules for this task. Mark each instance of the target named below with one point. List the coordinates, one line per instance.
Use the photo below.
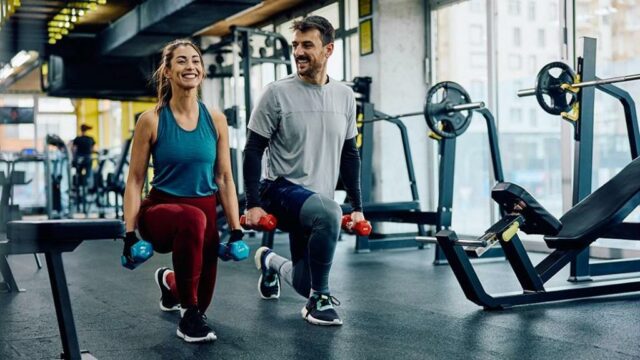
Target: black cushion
(64, 230)
(599, 212)
(537, 219)
(384, 207)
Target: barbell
(562, 90)
(445, 116)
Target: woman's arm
(143, 137)
(224, 176)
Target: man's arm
(350, 173)
(252, 166)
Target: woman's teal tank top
(184, 161)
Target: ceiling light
(6, 71)
(70, 14)
(20, 58)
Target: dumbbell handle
(362, 228)
(266, 223)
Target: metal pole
(454, 108)
(469, 106)
(532, 91)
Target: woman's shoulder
(147, 122)
(147, 118)
(218, 118)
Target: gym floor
(395, 305)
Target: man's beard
(312, 68)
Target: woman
(189, 145)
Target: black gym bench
(53, 237)
(600, 215)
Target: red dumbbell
(361, 228)
(266, 223)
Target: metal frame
(240, 41)
(581, 269)
(446, 179)
(409, 212)
(531, 278)
(406, 212)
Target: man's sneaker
(168, 302)
(269, 281)
(193, 327)
(319, 310)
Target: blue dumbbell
(139, 252)
(235, 249)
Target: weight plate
(440, 118)
(549, 92)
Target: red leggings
(187, 227)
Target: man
(308, 123)
(83, 147)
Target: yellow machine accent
(512, 230)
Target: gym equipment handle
(532, 91)
(433, 240)
(469, 106)
(455, 108)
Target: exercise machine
(599, 215)
(58, 177)
(235, 57)
(448, 111)
(561, 91)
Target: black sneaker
(319, 310)
(168, 302)
(193, 327)
(269, 281)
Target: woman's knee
(192, 222)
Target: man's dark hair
(327, 32)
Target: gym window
(514, 7)
(531, 11)
(517, 37)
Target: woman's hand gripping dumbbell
(235, 249)
(135, 251)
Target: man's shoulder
(282, 83)
(341, 88)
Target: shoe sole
(310, 319)
(258, 255)
(162, 307)
(209, 337)
(272, 297)
(257, 259)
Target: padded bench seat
(599, 212)
(62, 235)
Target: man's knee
(326, 212)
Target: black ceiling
(119, 28)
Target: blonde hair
(162, 83)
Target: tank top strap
(207, 120)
